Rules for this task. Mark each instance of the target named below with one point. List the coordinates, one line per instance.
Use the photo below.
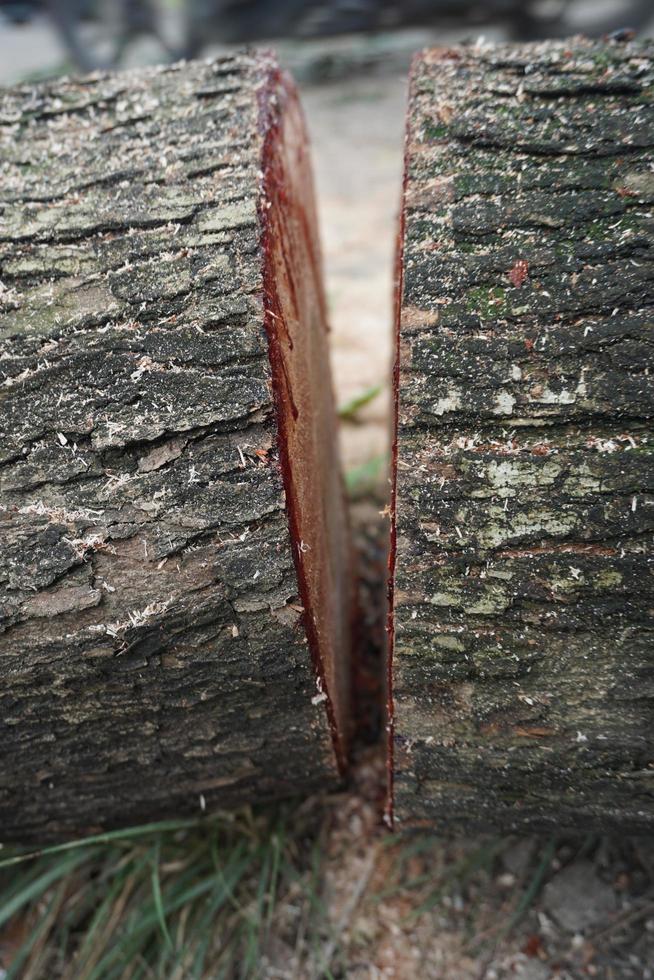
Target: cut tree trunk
(523, 667)
(174, 566)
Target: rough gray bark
(523, 668)
(153, 653)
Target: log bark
(174, 567)
(522, 673)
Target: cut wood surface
(523, 665)
(174, 563)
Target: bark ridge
(152, 653)
(522, 672)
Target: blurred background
(101, 32)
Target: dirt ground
(478, 909)
(421, 907)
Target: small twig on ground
(624, 918)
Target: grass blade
(156, 893)
(15, 969)
(534, 886)
(348, 411)
(36, 887)
(129, 833)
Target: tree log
(522, 672)
(174, 568)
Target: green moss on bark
(522, 667)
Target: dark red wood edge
(275, 93)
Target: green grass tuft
(178, 900)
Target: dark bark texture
(153, 653)
(523, 665)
